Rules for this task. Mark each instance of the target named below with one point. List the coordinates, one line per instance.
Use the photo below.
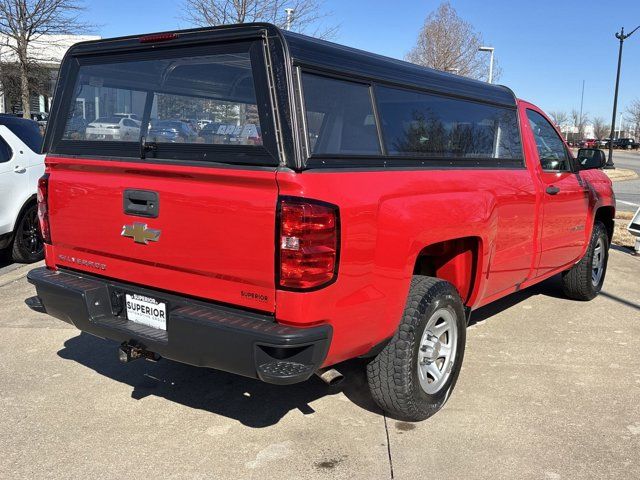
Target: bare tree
(24, 22)
(600, 128)
(446, 42)
(579, 121)
(308, 16)
(11, 81)
(633, 116)
(559, 118)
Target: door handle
(141, 203)
(19, 169)
(552, 190)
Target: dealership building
(47, 51)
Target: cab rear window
(172, 100)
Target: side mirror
(590, 158)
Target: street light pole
(580, 124)
(289, 12)
(489, 49)
(622, 37)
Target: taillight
(43, 207)
(308, 242)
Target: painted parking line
(628, 203)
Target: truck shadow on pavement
(551, 287)
(250, 402)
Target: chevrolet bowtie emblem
(140, 233)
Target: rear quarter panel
(387, 218)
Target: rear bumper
(198, 333)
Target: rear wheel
(413, 376)
(584, 280)
(28, 246)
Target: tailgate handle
(141, 203)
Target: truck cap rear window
(189, 103)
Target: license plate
(146, 311)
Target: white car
(113, 128)
(21, 165)
(132, 116)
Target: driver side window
(551, 149)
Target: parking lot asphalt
(550, 389)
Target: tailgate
(213, 236)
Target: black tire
(28, 246)
(578, 282)
(393, 375)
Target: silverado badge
(140, 233)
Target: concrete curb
(16, 273)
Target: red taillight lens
(308, 243)
(43, 207)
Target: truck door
(564, 198)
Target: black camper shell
(283, 57)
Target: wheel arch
(606, 215)
(456, 260)
(31, 200)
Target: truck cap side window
(340, 117)
(417, 124)
(551, 149)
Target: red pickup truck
(358, 206)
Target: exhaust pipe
(330, 376)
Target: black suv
(626, 144)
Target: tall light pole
(289, 12)
(580, 125)
(489, 49)
(622, 37)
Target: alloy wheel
(437, 351)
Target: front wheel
(584, 280)
(28, 246)
(413, 376)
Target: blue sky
(545, 48)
